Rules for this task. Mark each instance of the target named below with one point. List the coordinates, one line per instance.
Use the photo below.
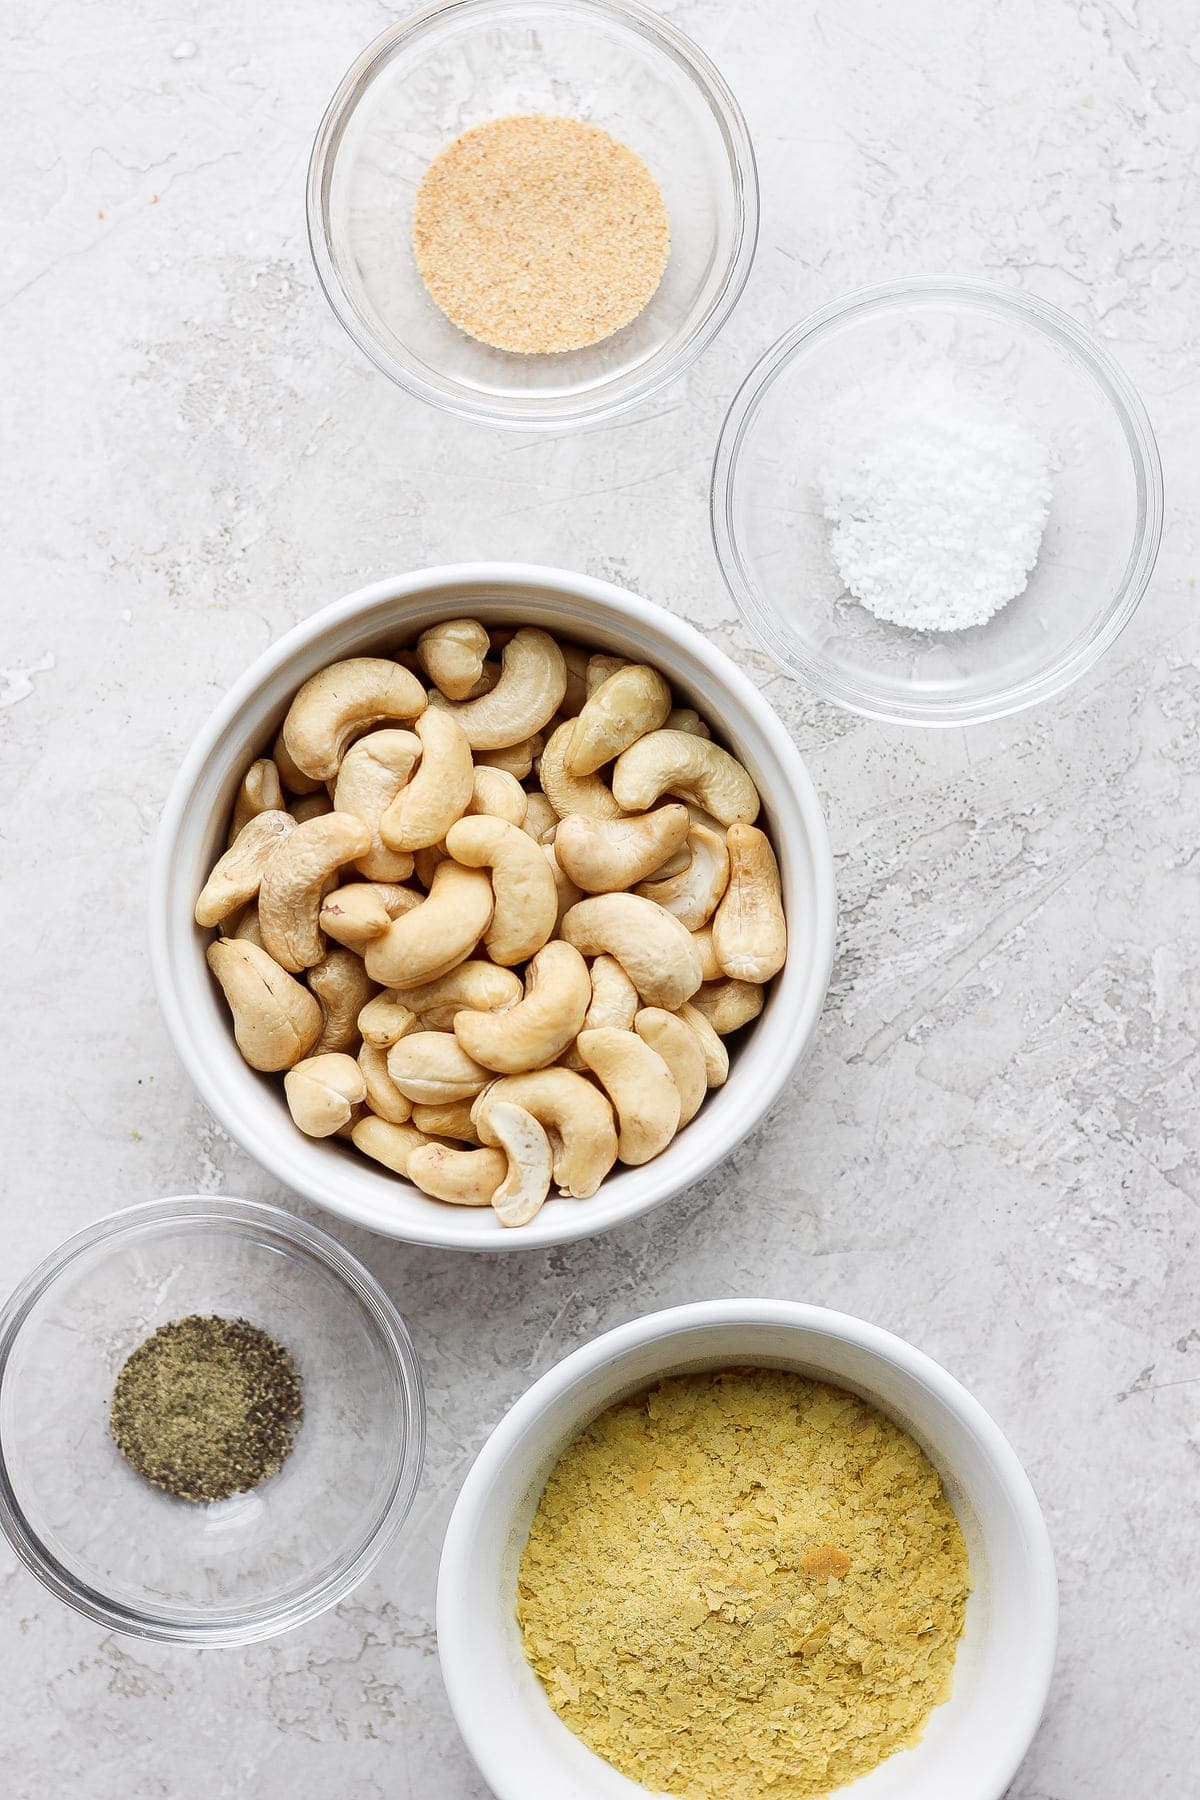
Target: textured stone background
(994, 1147)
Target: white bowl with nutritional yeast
(973, 1743)
(384, 616)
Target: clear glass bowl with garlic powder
(1015, 378)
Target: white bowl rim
(606, 401)
(551, 1226)
(1132, 416)
(457, 1619)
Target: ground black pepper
(207, 1407)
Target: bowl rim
(228, 1626)
(457, 1617)
(539, 413)
(1127, 404)
(613, 603)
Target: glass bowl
(1099, 546)
(137, 1560)
(613, 63)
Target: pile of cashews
(495, 928)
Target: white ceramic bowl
(251, 1106)
(973, 1743)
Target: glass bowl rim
(1006, 302)
(240, 1624)
(542, 412)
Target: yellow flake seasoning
(540, 234)
(744, 1585)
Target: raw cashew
(749, 929)
(311, 806)
(686, 718)
(261, 791)
(603, 856)
(728, 1005)
(452, 654)
(515, 759)
(533, 680)
(572, 793)
(343, 988)
(695, 768)
(652, 947)
(293, 779)
(341, 702)
(383, 1096)
(568, 895)
(463, 1177)
(432, 1067)
(710, 968)
(473, 986)
(530, 1163)
(601, 668)
(295, 881)
(498, 795)
(244, 926)
(440, 791)
(384, 1020)
(238, 874)
(682, 1052)
(536, 1030)
(426, 861)
(540, 817)
(631, 702)
(526, 900)
(373, 772)
(716, 1056)
(693, 895)
(450, 1119)
(437, 934)
(614, 998)
(678, 864)
(361, 910)
(641, 1087)
(575, 1116)
(392, 1145)
(576, 659)
(276, 1021)
(322, 1092)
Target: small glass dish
(1097, 552)
(137, 1560)
(612, 63)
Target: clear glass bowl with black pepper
(319, 1488)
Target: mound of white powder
(938, 500)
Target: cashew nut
(749, 929)
(343, 989)
(440, 791)
(515, 759)
(728, 1005)
(686, 718)
(373, 771)
(341, 702)
(383, 1096)
(530, 1163)
(603, 856)
(576, 659)
(716, 1056)
(392, 1145)
(569, 793)
(322, 1092)
(535, 1031)
(652, 947)
(473, 986)
(463, 1177)
(498, 795)
(710, 968)
(276, 1021)
(296, 880)
(452, 654)
(575, 1116)
(641, 1087)
(384, 1020)
(426, 861)
(293, 779)
(311, 806)
(568, 895)
(601, 668)
(682, 1052)
(244, 926)
(540, 819)
(631, 702)
(358, 911)
(261, 791)
(437, 934)
(695, 768)
(238, 874)
(432, 1067)
(533, 680)
(614, 998)
(526, 900)
(694, 894)
(449, 1119)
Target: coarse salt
(938, 499)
